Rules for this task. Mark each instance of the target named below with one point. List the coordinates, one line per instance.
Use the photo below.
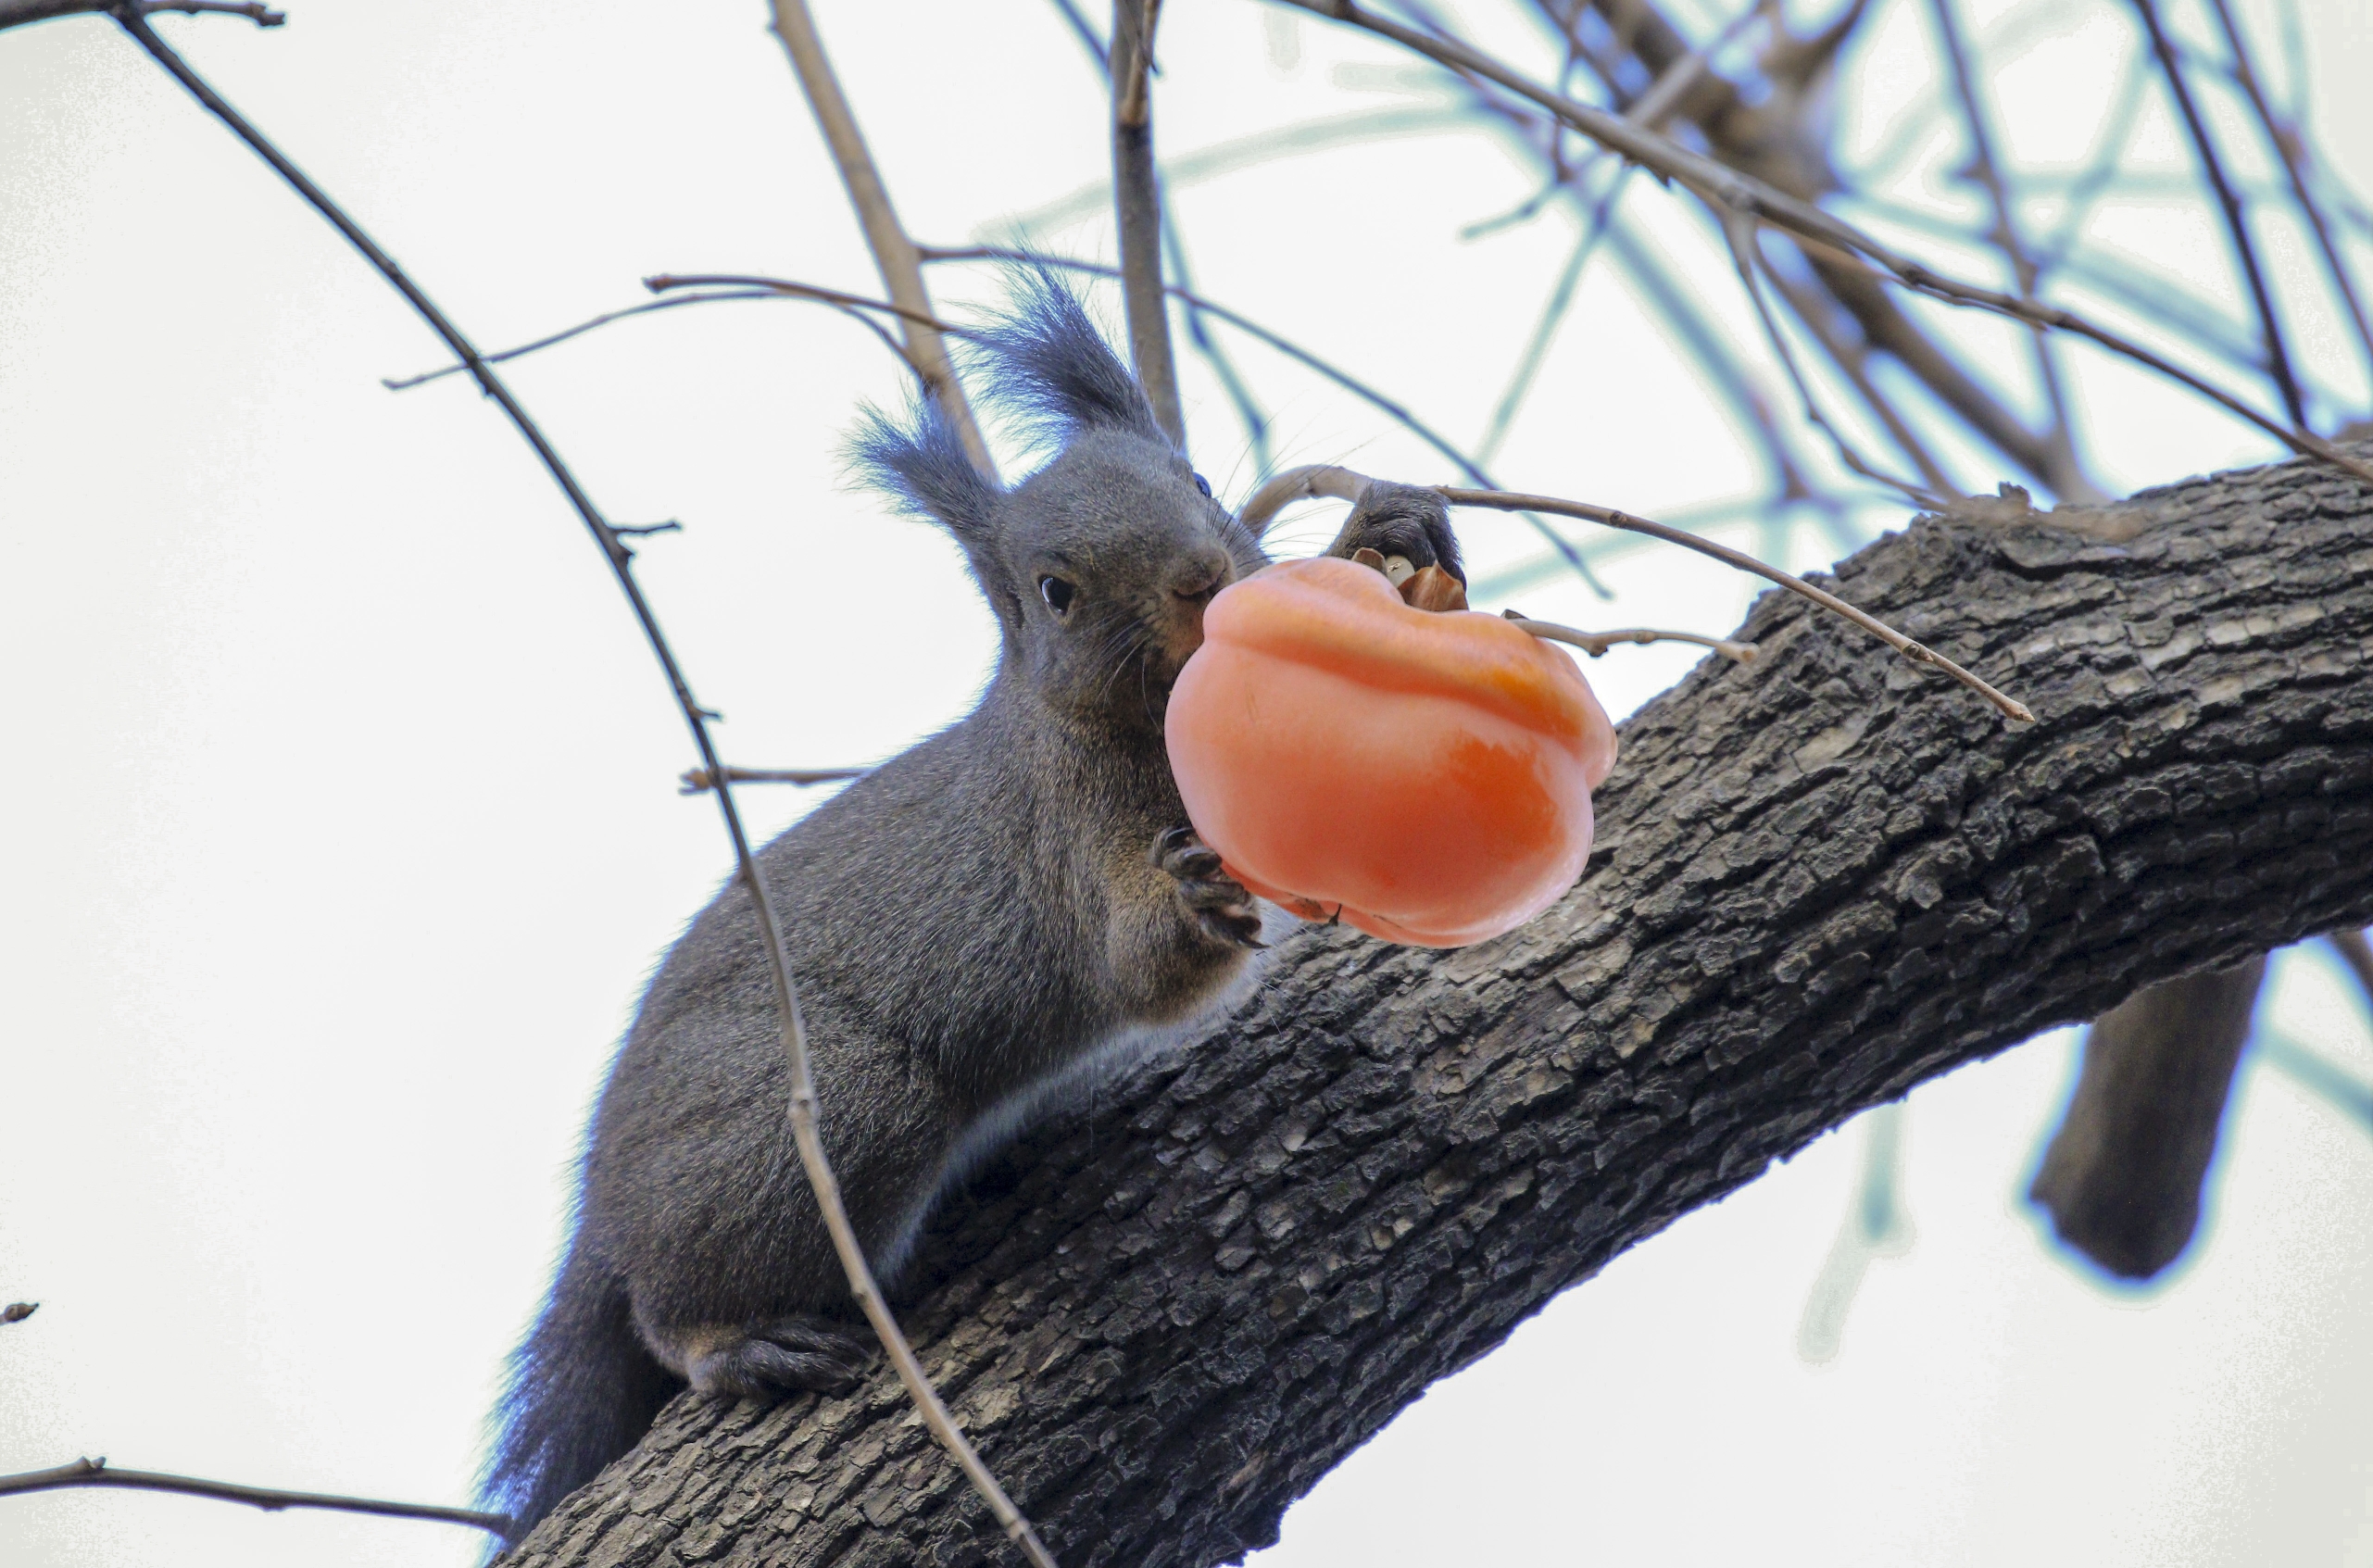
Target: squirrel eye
(1202, 485)
(1057, 592)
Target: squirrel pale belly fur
(977, 926)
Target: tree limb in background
(2123, 1174)
(893, 253)
(2278, 357)
(927, 1407)
(1137, 207)
(2004, 232)
(1820, 881)
(98, 1472)
(2287, 148)
(1829, 239)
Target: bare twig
(18, 1312)
(1824, 235)
(1085, 34)
(1753, 268)
(893, 253)
(803, 1109)
(96, 1473)
(1596, 643)
(1296, 352)
(1729, 378)
(2287, 149)
(849, 305)
(1506, 501)
(700, 781)
(2278, 357)
(1137, 209)
(17, 13)
(1651, 109)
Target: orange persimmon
(1426, 775)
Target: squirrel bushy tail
(582, 1391)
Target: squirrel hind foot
(787, 1356)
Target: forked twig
(894, 252)
(97, 1473)
(802, 1109)
(1506, 501)
(1596, 643)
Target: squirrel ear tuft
(920, 463)
(1053, 369)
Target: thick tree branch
(1821, 879)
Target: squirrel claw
(1221, 907)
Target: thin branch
(1552, 314)
(1753, 267)
(1596, 643)
(700, 781)
(1823, 234)
(1136, 211)
(2286, 147)
(849, 305)
(1729, 377)
(96, 1473)
(1240, 392)
(2278, 357)
(802, 1110)
(1651, 109)
(18, 13)
(2005, 233)
(1087, 35)
(1294, 351)
(1505, 501)
(893, 251)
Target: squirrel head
(1099, 564)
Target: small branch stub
(18, 1312)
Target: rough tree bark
(1821, 880)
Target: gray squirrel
(978, 927)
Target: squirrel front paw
(1216, 901)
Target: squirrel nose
(1196, 580)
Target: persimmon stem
(1596, 643)
(1918, 653)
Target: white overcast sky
(340, 828)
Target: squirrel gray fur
(977, 926)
